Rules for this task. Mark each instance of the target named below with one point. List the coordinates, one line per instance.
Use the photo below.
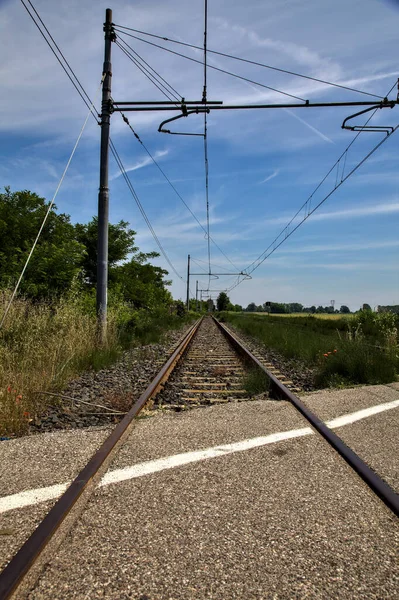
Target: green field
(334, 317)
(341, 350)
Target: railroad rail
(209, 364)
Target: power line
(126, 120)
(307, 204)
(198, 260)
(268, 87)
(252, 62)
(204, 99)
(86, 99)
(286, 232)
(147, 72)
(173, 90)
(140, 206)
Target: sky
(263, 164)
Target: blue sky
(263, 165)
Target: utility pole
(103, 194)
(196, 296)
(188, 283)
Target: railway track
(212, 372)
(207, 367)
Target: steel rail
(374, 481)
(15, 574)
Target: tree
(222, 301)
(58, 256)
(366, 307)
(251, 307)
(344, 309)
(295, 307)
(210, 305)
(120, 245)
(238, 307)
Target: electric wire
(252, 62)
(172, 89)
(307, 204)
(86, 99)
(204, 99)
(171, 94)
(268, 87)
(136, 135)
(147, 74)
(198, 260)
(141, 208)
(50, 206)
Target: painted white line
(362, 414)
(31, 497)
(170, 462)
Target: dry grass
(41, 347)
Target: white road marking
(31, 497)
(35, 496)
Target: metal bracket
(371, 128)
(185, 113)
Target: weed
(256, 382)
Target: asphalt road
(283, 519)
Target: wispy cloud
(360, 211)
(272, 176)
(316, 131)
(341, 247)
(141, 163)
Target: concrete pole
(188, 283)
(196, 296)
(103, 194)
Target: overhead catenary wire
(252, 62)
(171, 95)
(286, 232)
(50, 206)
(86, 99)
(204, 99)
(198, 260)
(126, 120)
(141, 208)
(268, 87)
(172, 89)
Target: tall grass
(361, 350)
(44, 345)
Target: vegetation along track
(212, 365)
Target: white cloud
(347, 213)
(141, 163)
(272, 176)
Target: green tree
(222, 301)
(210, 305)
(58, 256)
(251, 307)
(120, 245)
(344, 309)
(366, 307)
